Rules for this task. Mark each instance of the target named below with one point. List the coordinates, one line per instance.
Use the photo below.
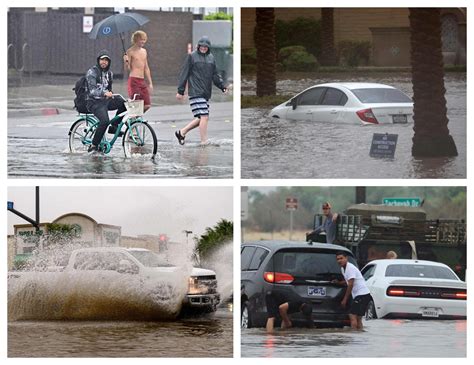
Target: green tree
(212, 239)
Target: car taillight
(366, 115)
(399, 292)
(457, 295)
(278, 277)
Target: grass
(281, 235)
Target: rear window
(380, 95)
(419, 271)
(303, 263)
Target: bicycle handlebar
(134, 97)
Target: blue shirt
(329, 227)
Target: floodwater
(277, 148)
(380, 338)
(50, 157)
(209, 336)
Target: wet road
(381, 338)
(204, 337)
(38, 147)
(288, 149)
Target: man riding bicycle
(100, 99)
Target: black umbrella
(118, 24)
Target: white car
(349, 102)
(414, 289)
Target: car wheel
(370, 312)
(245, 318)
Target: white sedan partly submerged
(414, 289)
(349, 102)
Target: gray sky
(139, 210)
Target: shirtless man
(137, 63)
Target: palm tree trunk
(432, 138)
(266, 53)
(328, 53)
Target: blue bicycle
(138, 139)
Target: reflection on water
(172, 160)
(381, 338)
(200, 337)
(276, 148)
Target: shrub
(354, 53)
(301, 61)
(300, 31)
(219, 16)
(249, 56)
(286, 52)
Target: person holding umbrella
(199, 71)
(99, 99)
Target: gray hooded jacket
(200, 71)
(99, 80)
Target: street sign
(291, 204)
(402, 202)
(87, 23)
(383, 145)
(9, 205)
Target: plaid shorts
(199, 106)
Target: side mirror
(293, 103)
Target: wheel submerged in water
(140, 139)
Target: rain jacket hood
(102, 53)
(204, 41)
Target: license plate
(316, 291)
(430, 312)
(402, 118)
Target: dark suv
(298, 271)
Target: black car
(298, 271)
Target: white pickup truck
(196, 286)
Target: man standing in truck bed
(136, 59)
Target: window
(381, 95)
(420, 271)
(246, 257)
(99, 261)
(334, 97)
(257, 258)
(311, 97)
(368, 272)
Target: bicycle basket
(134, 108)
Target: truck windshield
(150, 259)
(420, 271)
(304, 263)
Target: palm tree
(266, 52)
(214, 237)
(432, 138)
(328, 52)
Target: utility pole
(34, 222)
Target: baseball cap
(104, 56)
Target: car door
(306, 104)
(331, 108)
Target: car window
(257, 258)
(368, 272)
(307, 263)
(419, 271)
(98, 260)
(334, 97)
(381, 95)
(311, 97)
(246, 257)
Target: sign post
(291, 205)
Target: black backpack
(81, 92)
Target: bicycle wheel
(80, 136)
(140, 139)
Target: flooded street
(203, 337)
(381, 338)
(273, 148)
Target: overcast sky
(138, 210)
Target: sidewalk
(53, 94)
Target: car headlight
(195, 287)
